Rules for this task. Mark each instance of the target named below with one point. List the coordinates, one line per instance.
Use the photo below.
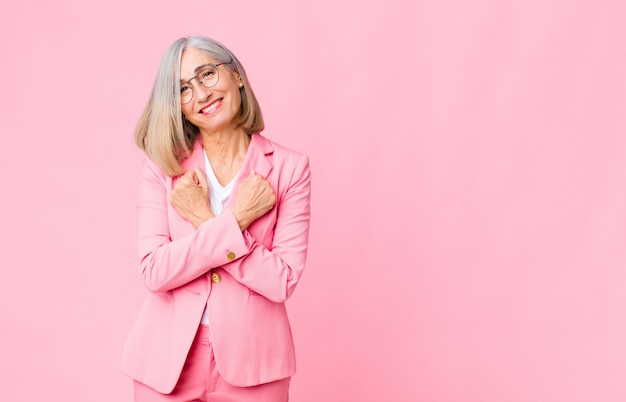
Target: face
(211, 109)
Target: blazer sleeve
(274, 272)
(165, 263)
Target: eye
(185, 89)
(208, 73)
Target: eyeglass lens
(207, 77)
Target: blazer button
(230, 256)
(215, 277)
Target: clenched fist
(254, 199)
(190, 197)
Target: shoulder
(151, 172)
(280, 153)
(290, 168)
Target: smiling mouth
(210, 108)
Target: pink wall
(469, 191)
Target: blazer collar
(257, 157)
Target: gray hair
(162, 132)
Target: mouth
(211, 107)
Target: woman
(223, 220)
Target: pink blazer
(259, 270)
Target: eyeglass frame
(188, 82)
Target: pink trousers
(200, 381)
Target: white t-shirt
(218, 195)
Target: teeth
(211, 107)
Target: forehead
(191, 59)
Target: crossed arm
(272, 271)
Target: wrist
(242, 219)
(201, 217)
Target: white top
(218, 195)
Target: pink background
(469, 172)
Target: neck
(225, 146)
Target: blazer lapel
(257, 159)
(196, 157)
(201, 285)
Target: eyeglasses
(208, 76)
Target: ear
(238, 79)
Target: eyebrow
(202, 66)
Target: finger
(180, 182)
(191, 176)
(186, 178)
(199, 172)
(194, 178)
(202, 181)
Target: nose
(201, 92)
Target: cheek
(237, 99)
(186, 109)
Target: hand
(254, 198)
(190, 197)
